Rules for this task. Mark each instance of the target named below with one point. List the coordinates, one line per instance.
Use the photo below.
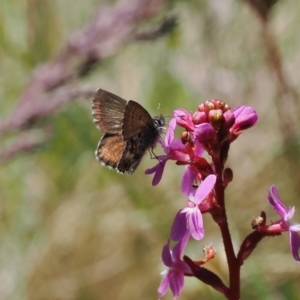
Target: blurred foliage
(71, 229)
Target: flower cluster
(210, 130)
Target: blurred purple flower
(189, 219)
(286, 215)
(174, 275)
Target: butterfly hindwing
(110, 149)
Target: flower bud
(229, 118)
(227, 176)
(215, 118)
(204, 132)
(199, 117)
(186, 137)
(184, 119)
(245, 117)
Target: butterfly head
(159, 122)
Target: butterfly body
(129, 131)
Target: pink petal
(158, 170)
(176, 283)
(176, 144)
(295, 245)
(196, 225)
(178, 250)
(179, 226)
(178, 155)
(166, 255)
(295, 227)
(184, 119)
(163, 287)
(205, 132)
(199, 149)
(170, 132)
(205, 188)
(276, 202)
(290, 213)
(187, 182)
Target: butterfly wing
(110, 149)
(108, 111)
(133, 153)
(137, 120)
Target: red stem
(221, 219)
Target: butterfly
(128, 129)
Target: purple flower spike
(174, 275)
(286, 215)
(190, 219)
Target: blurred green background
(72, 229)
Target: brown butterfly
(128, 129)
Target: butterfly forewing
(108, 111)
(137, 119)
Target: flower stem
(233, 264)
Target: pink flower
(189, 219)
(174, 275)
(285, 224)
